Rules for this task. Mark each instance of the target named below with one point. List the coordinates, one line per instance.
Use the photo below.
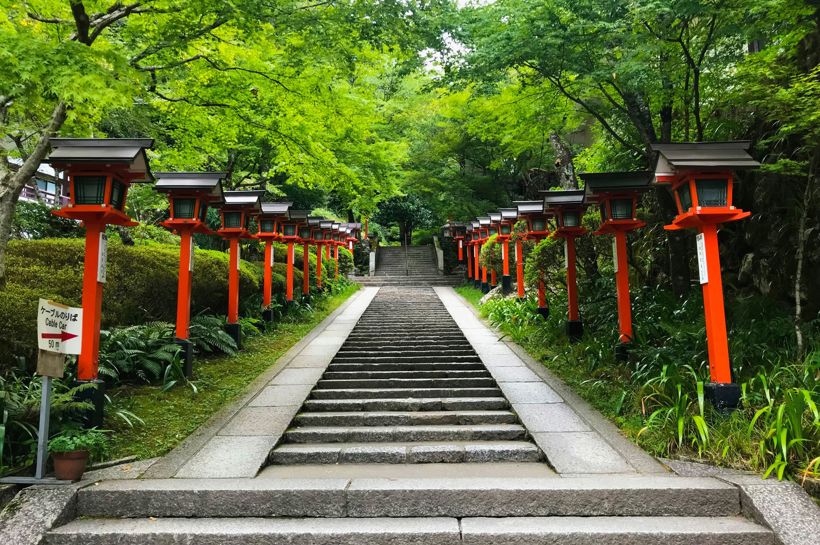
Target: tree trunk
(800, 256)
(563, 163)
(12, 183)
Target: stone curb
(634, 455)
(172, 462)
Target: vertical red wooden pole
(87, 363)
(542, 296)
(493, 278)
(572, 280)
(306, 268)
(336, 259)
(475, 261)
(469, 263)
(289, 273)
(622, 285)
(233, 282)
(319, 248)
(327, 251)
(506, 281)
(184, 283)
(713, 305)
(519, 267)
(267, 286)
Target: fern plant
(208, 335)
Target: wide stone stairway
(410, 266)
(404, 420)
(406, 386)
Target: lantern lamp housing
(269, 220)
(99, 172)
(616, 194)
(189, 195)
(237, 209)
(292, 223)
(701, 176)
(568, 209)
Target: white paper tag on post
(102, 259)
(615, 253)
(566, 254)
(191, 257)
(703, 269)
(272, 254)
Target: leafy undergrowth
(172, 415)
(656, 398)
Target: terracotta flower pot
(69, 466)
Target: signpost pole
(42, 433)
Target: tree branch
(81, 21)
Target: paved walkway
(586, 484)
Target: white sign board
(59, 328)
(700, 241)
(615, 253)
(272, 254)
(102, 262)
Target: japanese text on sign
(59, 328)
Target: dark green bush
(141, 286)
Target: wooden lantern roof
(495, 217)
(672, 160)
(207, 183)
(244, 199)
(484, 221)
(526, 208)
(508, 214)
(615, 182)
(297, 215)
(565, 198)
(326, 224)
(276, 208)
(124, 152)
(315, 221)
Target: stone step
(376, 393)
(394, 434)
(467, 496)
(453, 452)
(358, 346)
(416, 531)
(404, 383)
(477, 373)
(438, 353)
(405, 359)
(419, 366)
(403, 418)
(408, 404)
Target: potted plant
(71, 449)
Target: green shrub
(141, 286)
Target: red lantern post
(485, 223)
(468, 243)
(100, 171)
(701, 177)
(617, 196)
(537, 229)
(505, 225)
(268, 231)
(236, 213)
(189, 195)
(289, 233)
(568, 208)
(477, 241)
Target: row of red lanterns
(701, 177)
(100, 172)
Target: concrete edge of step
(782, 506)
(172, 462)
(635, 456)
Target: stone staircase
(391, 448)
(413, 266)
(406, 387)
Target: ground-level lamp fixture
(616, 194)
(505, 228)
(701, 177)
(268, 230)
(537, 229)
(568, 208)
(485, 224)
(236, 211)
(189, 195)
(99, 172)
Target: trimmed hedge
(141, 286)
